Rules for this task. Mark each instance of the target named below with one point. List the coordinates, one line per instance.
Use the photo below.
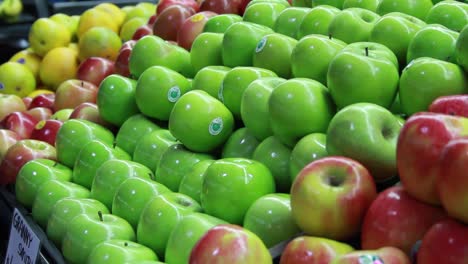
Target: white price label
(23, 246)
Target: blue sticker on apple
(216, 126)
(21, 60)
(261, 45)
(2, 86)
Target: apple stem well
(334, 180)
(100, 216)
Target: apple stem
(100, 216)
(329, 36)
(151, 175)
(125, 244)
(367, 51)
(114, 144)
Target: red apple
(142, 31)
(40, 113)
(121, 62)
(21, 152)
(20, 122)
(163, 4)
(451, 105)
(420, 142)
(95, 69)
(151, 20)
(46, 130)
(73, 92)
(243, 6)
(90, 112)
(27, 101)
(10, 103)
(222, 6)
(43, 100)
(7, 139)
(168, 23)
(384, 255)
(192, 27)
(397, 219)
(445, 242)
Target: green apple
(132, 130)
(395, 30)
(240, 41)
(201, 122)
(174, 163)
(301, 3)
(289, 21)
(150, 147)
(449, 13)
(335, 3)
(435, 41)
(91, 157)
(120, 251)
(62, 114)
(317, 21)
(416, 8)
(192, 182)
(309, 148)
(210, 78)
(33, 174)
(206, 50)
(312, 55)
(286, 3)
(367, 133)
(366, 4)
(270, 218)
(221, 22)
(363, 72)
(241, 144)
(275, 156)
(64, 210)
(425, 79)
(52, 192)
(86, 231)
(116, 99)
(160, 216)
(186, 234)
(254, 106)
(224, 181)
(75, 133)
(461, 49)
(132, 195)
(273, 52)
(299, 95)
(111, 174)
(235, 82)
(353, 24)
(263, 12)
(157, 90)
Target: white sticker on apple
(261, 45)
(173, 94)
(220, 92)
(216, 126)
(370, 259)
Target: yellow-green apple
(150, 147)
(64, 210)
(395, 30)
(317, 20)
(73, 92)
(254, 107)
(370, 125)
(170, 20)
(7, 139)
(270, 218)
(273, 52)
(397, 219)
(207, 51)
(175, 162)
(160, 216)
(452, 14)
(43, 100)
(123, 57)
(423, 43)
(246, 176)
(192, 27)
(387, 255)
(22, 123)
(95, 69)
(236, 82)
(299, 95)
(163, 4)
(348, 67)
(192, 182)
(289, 21)
(366, 4)
(186, 234)
(86, 231)
(201, 122)
(311, 250)
(208, 78)
(263, 12)
(16, 78)
(158, 89)
(309, 148)
(132, 130)
(20, 153)
(220, 23)
(425, 79)
(62, 114)
(451, 105)
(51, 192)
(311, 56)
(461, 49)
(241, 144)
(33, 174)
(116, 99)
(240, 41)
(419, 147)
(330, 196)
(229, 244)
(10, 103)
(416, 8)
(46, 130)
(132, 195)
(111, 174)
(91, 112)
(353, 25)
(120, 251)
(445, 242)
(276, 156)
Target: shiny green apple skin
(370, 5)
(335, 3)
(317, 21)
(461, 49)
(192, 182)
(263, 13)
(289, 21)
(416, 8)
(241, 144)
(209, 79)
(132, 130)
(206, 50)
(221, 22)
(452, 14)
(353, 25)
(116, 251)
(309, 148)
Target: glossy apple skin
(419, 146)
(163, 4)
(208, 77)
(151, 146)
(461, 49)
(397, 219)
(313, 250)
(89, 111)
(132, 130)
(317, 20)
(353, 24)
(451, 14)
(222, 6)
(7, 139)
(263, 13)
(229, 244)
(120, 250)
(417, 8)
(142, 31)
(220, 23)
(169, 21)
(73, 92)
(192, 27)
(445, 242)
(121, 62)
(387, 255)
(95, 69)
(339, 214)
(40, 113)
(289, 21)
(450, 105)
(21, 123)
(241, 144)
(46, 130)
(192, 182)
(10, 103)
(43, 100)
